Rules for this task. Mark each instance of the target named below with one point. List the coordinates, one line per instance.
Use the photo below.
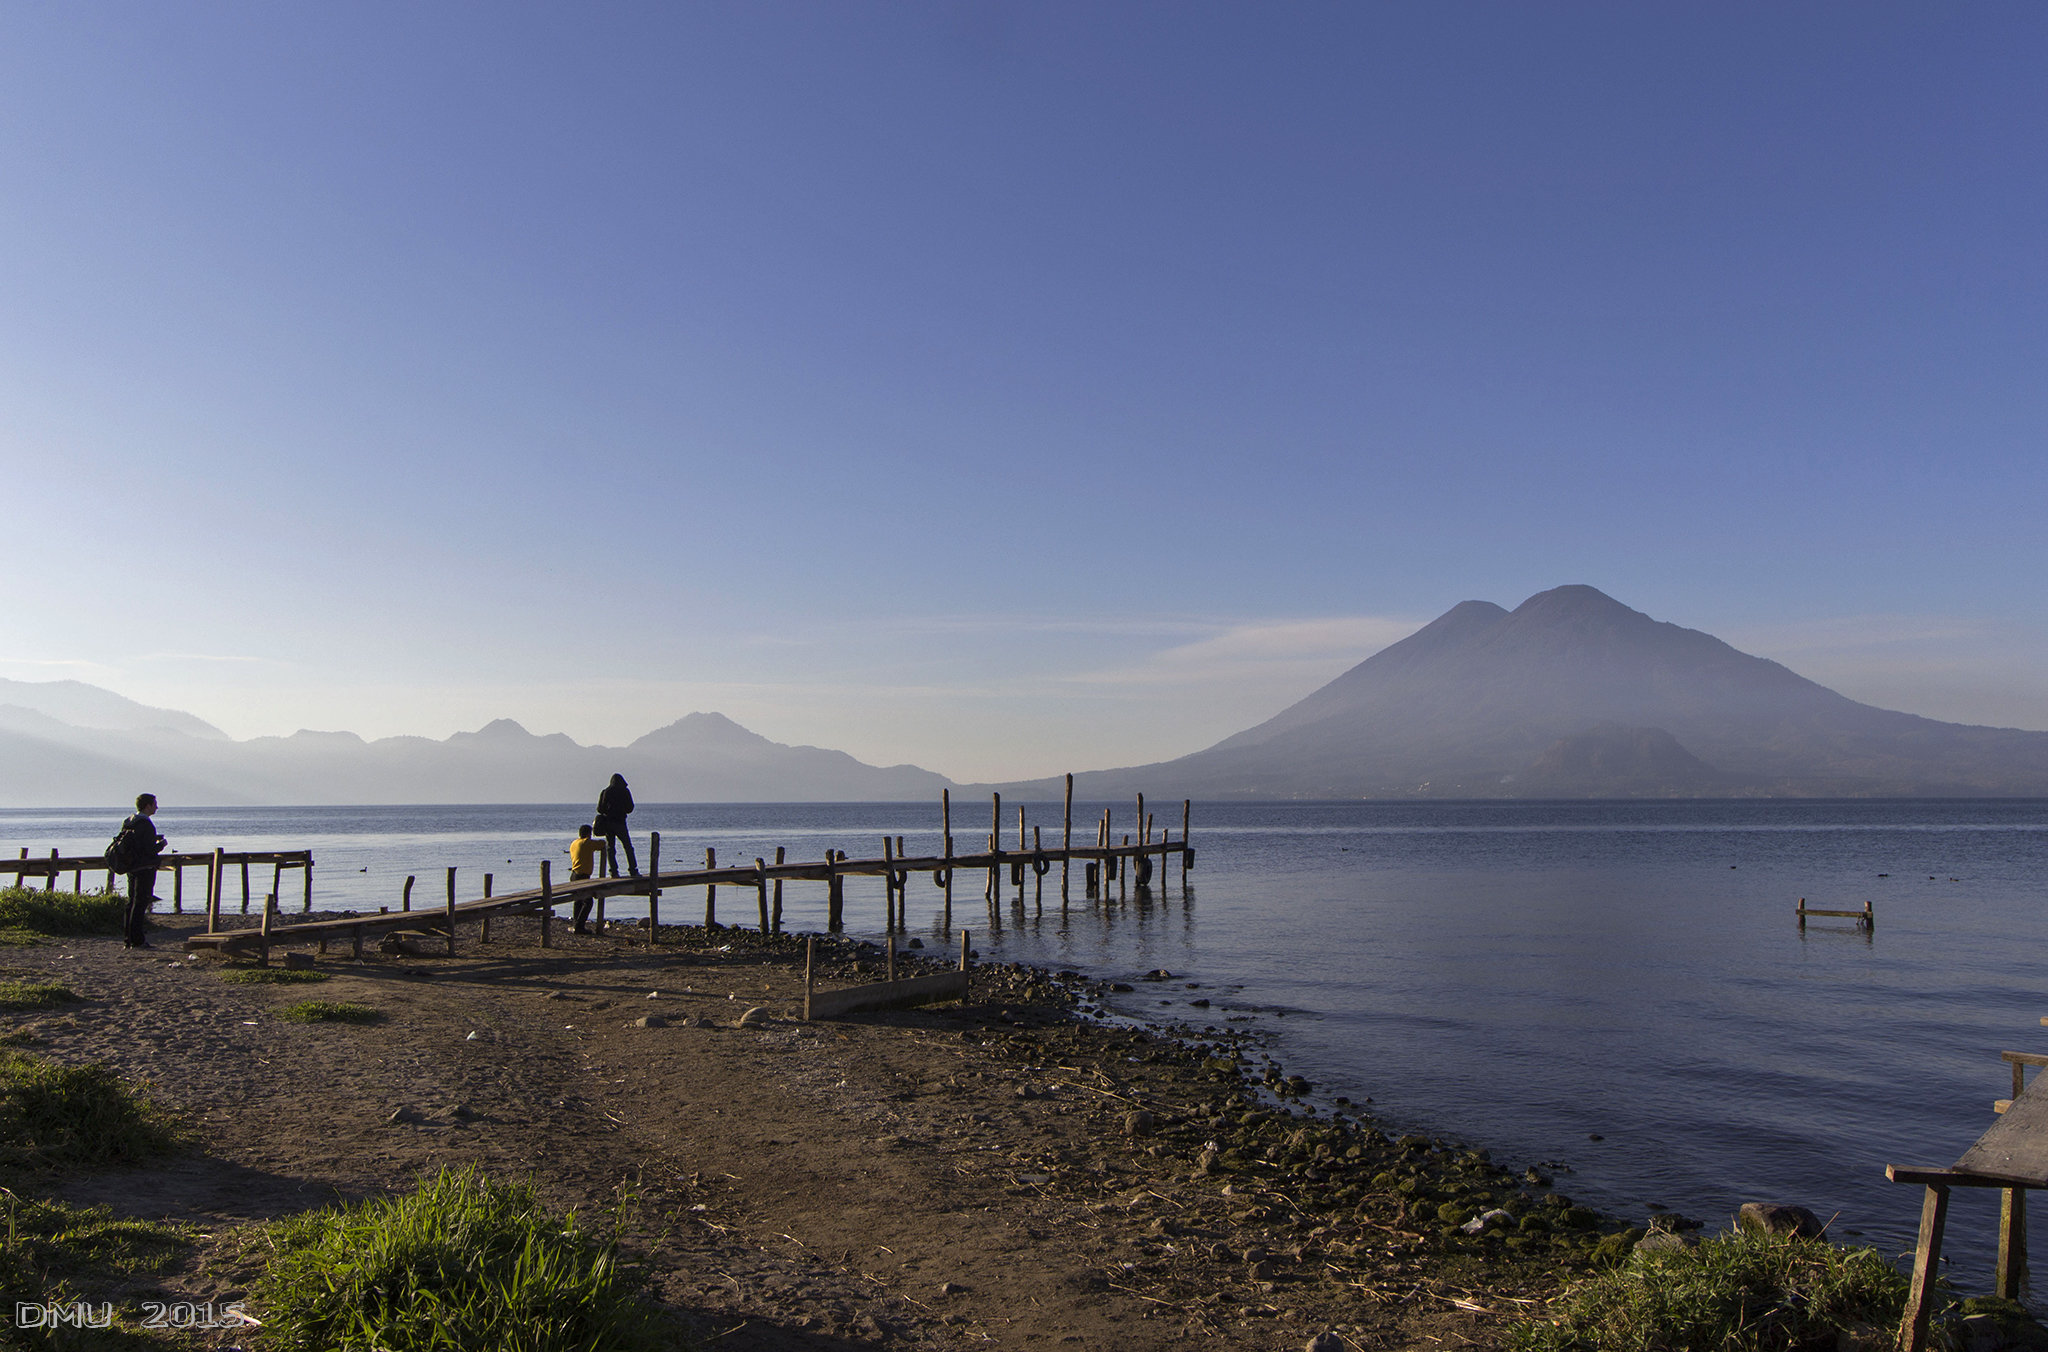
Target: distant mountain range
(1574, 695)
(104, 750)
(1569, 695)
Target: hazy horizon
(1005, 389)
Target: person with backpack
(135, 849)
(614, 805)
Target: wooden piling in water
(711, 891)
(451, 910)
(777, 903)
(405, 902)
(761, 889)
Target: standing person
(140, 846)
(582, 855)
(614, 805)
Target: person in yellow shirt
(582, 858)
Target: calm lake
(1615, 991)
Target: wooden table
(2012, 1155)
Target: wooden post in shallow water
(889, 887)
(308, 907)
(946, 845)
(761, 889)
(277, 878)
(1066, 840)
(778, 892)
(405, 902)
(451, 910)
(835, 896)
(1187, 853)
(710, 892)
(178, 889)
(1038, 878)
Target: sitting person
(582, 859)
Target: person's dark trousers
(582, 913)
(141, 892)
(612, 856)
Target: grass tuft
(271, 976)
(25, 913)
(62, 1254)
(329, 1011)
(1740, 1292)
(460, 1262)
(23, 995)
(54, 1116)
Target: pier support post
(2012, 1241)
(710, 892)
(451, 911)
(1067, 840)
(835, 895)
(547, 904)
(653, 888)
(761, 889)
(1926, 1258)
(213, 880)
(777, 901)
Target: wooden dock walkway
(1128, 863)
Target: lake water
(1617, 991)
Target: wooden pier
(1127, 863)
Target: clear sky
(1006, 388)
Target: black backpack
(121, 850)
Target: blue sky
(1006, 388)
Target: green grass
(54, 1116)
(26, 914)
(329, 1011)
(23, 995)
(459, 1263)
(271, 976)
(1740, 1292)
(62, 1254)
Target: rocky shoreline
(1008, 1173)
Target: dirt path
(995, 1176)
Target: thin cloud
(1272, 649)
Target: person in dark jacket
(140, 851)
(614, 805)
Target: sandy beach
(1004, 1174)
